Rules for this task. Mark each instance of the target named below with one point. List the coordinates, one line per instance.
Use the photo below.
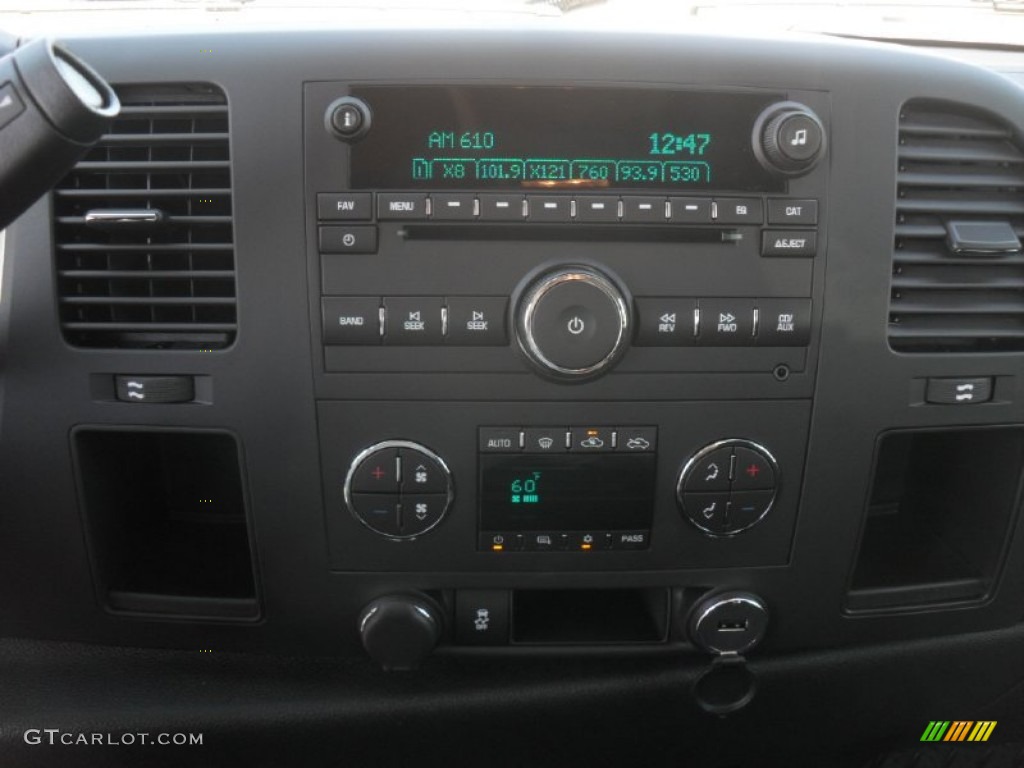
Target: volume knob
(573, 323)
(789, 139)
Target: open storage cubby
(941, 507)
(553, 616)
(165, 514)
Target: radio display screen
(478, 137)
(566, 492)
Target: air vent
(143, 230)
(958, 269)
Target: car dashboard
(544, 396)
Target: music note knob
(789, 139)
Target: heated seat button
(413, 320)
(726, 322)
(155, 389)
(959, 391)
(421, 512)
(708, 511)
(482, 616)
(377, 473)
(421, 473)
(351, 320)
(377, 511)
(710, 472)
(752, 471)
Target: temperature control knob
(789, 139)
(573, 323)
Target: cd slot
(571, 232)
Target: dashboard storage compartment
(541, 616)
(941, 506)
(166, 521)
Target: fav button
(344, 205)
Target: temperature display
(476, 137)
(566, 492)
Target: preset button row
(469, 206)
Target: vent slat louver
(958, 167)
(165, 280)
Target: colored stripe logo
(958, 730)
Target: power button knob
(573, 323)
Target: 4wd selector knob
(573, 322)
(789, 139)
